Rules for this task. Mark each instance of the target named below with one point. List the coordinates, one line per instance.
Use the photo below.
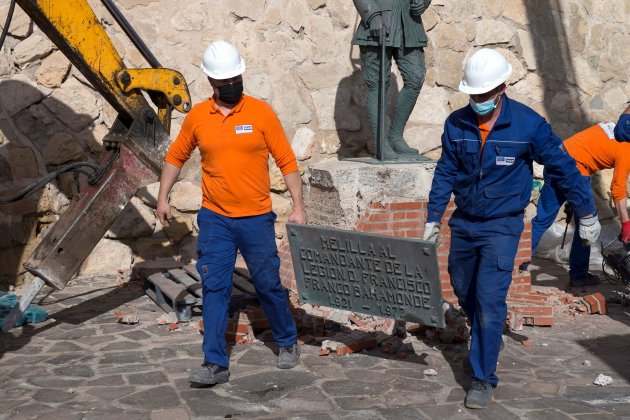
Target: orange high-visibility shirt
(595, 149)
(234, 154)
(484, 130)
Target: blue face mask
(483, 108)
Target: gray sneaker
(209, 374)
(479, 395)
(288, 357)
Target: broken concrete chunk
(429, 372)
(127, 317)
(167, 318)
(603, 380)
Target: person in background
(593, 149)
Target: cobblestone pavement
(81, 363)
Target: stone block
(74, 104)
(107, 258)
(17, 93)
(31, 49)
(186, 196)
(134, 221)
(62, 148)
(53, 70)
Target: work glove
(376, 25)
(589, 229)
(418, 7)
(432, 232)
(625, 232)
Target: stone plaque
(367, 273)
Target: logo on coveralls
(244, 129)
(505, 160)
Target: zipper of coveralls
(483, 146)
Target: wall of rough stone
(570, 60)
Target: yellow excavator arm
(139, 138)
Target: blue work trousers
(549, 203)
(480, 264)
(219, 239)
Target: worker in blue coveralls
(487, 151)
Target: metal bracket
(168, 82)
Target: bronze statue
(399, 23)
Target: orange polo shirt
(234, 154)
(596, 148)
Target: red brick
(378, 217)
(543, 321)
(415, 215)
(408, 224)
(533, 310)
(355, 343)
(411, 205)
(371, 227)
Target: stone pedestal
(338, 193)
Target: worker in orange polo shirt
(235, 135)
(593, 149)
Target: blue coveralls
(622, 129)
(219, 238)
(549, 203)
(492, 186)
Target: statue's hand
(418, 7)
(376, 26)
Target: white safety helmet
(222, 61)
(484, 70)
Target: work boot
(399, 145)
(589, 280)
(209, 374)
(288, 356)
(479, 394)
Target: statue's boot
(404, 105)
(388, 153)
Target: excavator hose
(94, 173)
(5, 29)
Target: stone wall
(569, 57)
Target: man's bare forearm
(168, 178)
(294, 185)
(622, 210)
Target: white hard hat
(484, 70)
(222, 61)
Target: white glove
(431, 232)
(589, 229)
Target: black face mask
(230, 94)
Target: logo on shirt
(609, 129)
(244, 129)
(505, 160)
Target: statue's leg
(370, 58)
(410, 62)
